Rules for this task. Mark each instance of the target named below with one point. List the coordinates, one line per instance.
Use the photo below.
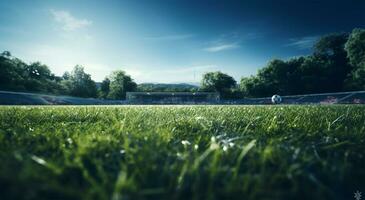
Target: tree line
(336, 64)
(16, 75)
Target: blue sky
(169, 41)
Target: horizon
(169, 41)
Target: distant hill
(167, 87)
(187, 83)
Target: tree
(356, 80)
(278, 77)
(331, 44)
(80, 83)
(11, 73)
(312, 77)
(252, 87)
(6, 54)
(104, 88)
(324, 71)
(274, 75)
(38, 77)
(218, 82)
(120, 84)
(331, 53)
(18, 76)
(355, 48)
(66, 76)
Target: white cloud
(68, 21)
(222, 47)
(303, 42)
(230, 40)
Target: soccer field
(182, 152)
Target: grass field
(182, 152)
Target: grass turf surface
(182, 152)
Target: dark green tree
(6, 54)
(334, 63)
(104, 88)
(218, 82)
(38, 78)
(324, 71)
(356, 80)
(80, 83)
(11, 74)
(355, 48)
(278, 77)
(312, 77)
(18, 76)
(120, 84)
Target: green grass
(182, 152)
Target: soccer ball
(276, 99)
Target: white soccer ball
(276, 99)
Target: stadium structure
(172, 97)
